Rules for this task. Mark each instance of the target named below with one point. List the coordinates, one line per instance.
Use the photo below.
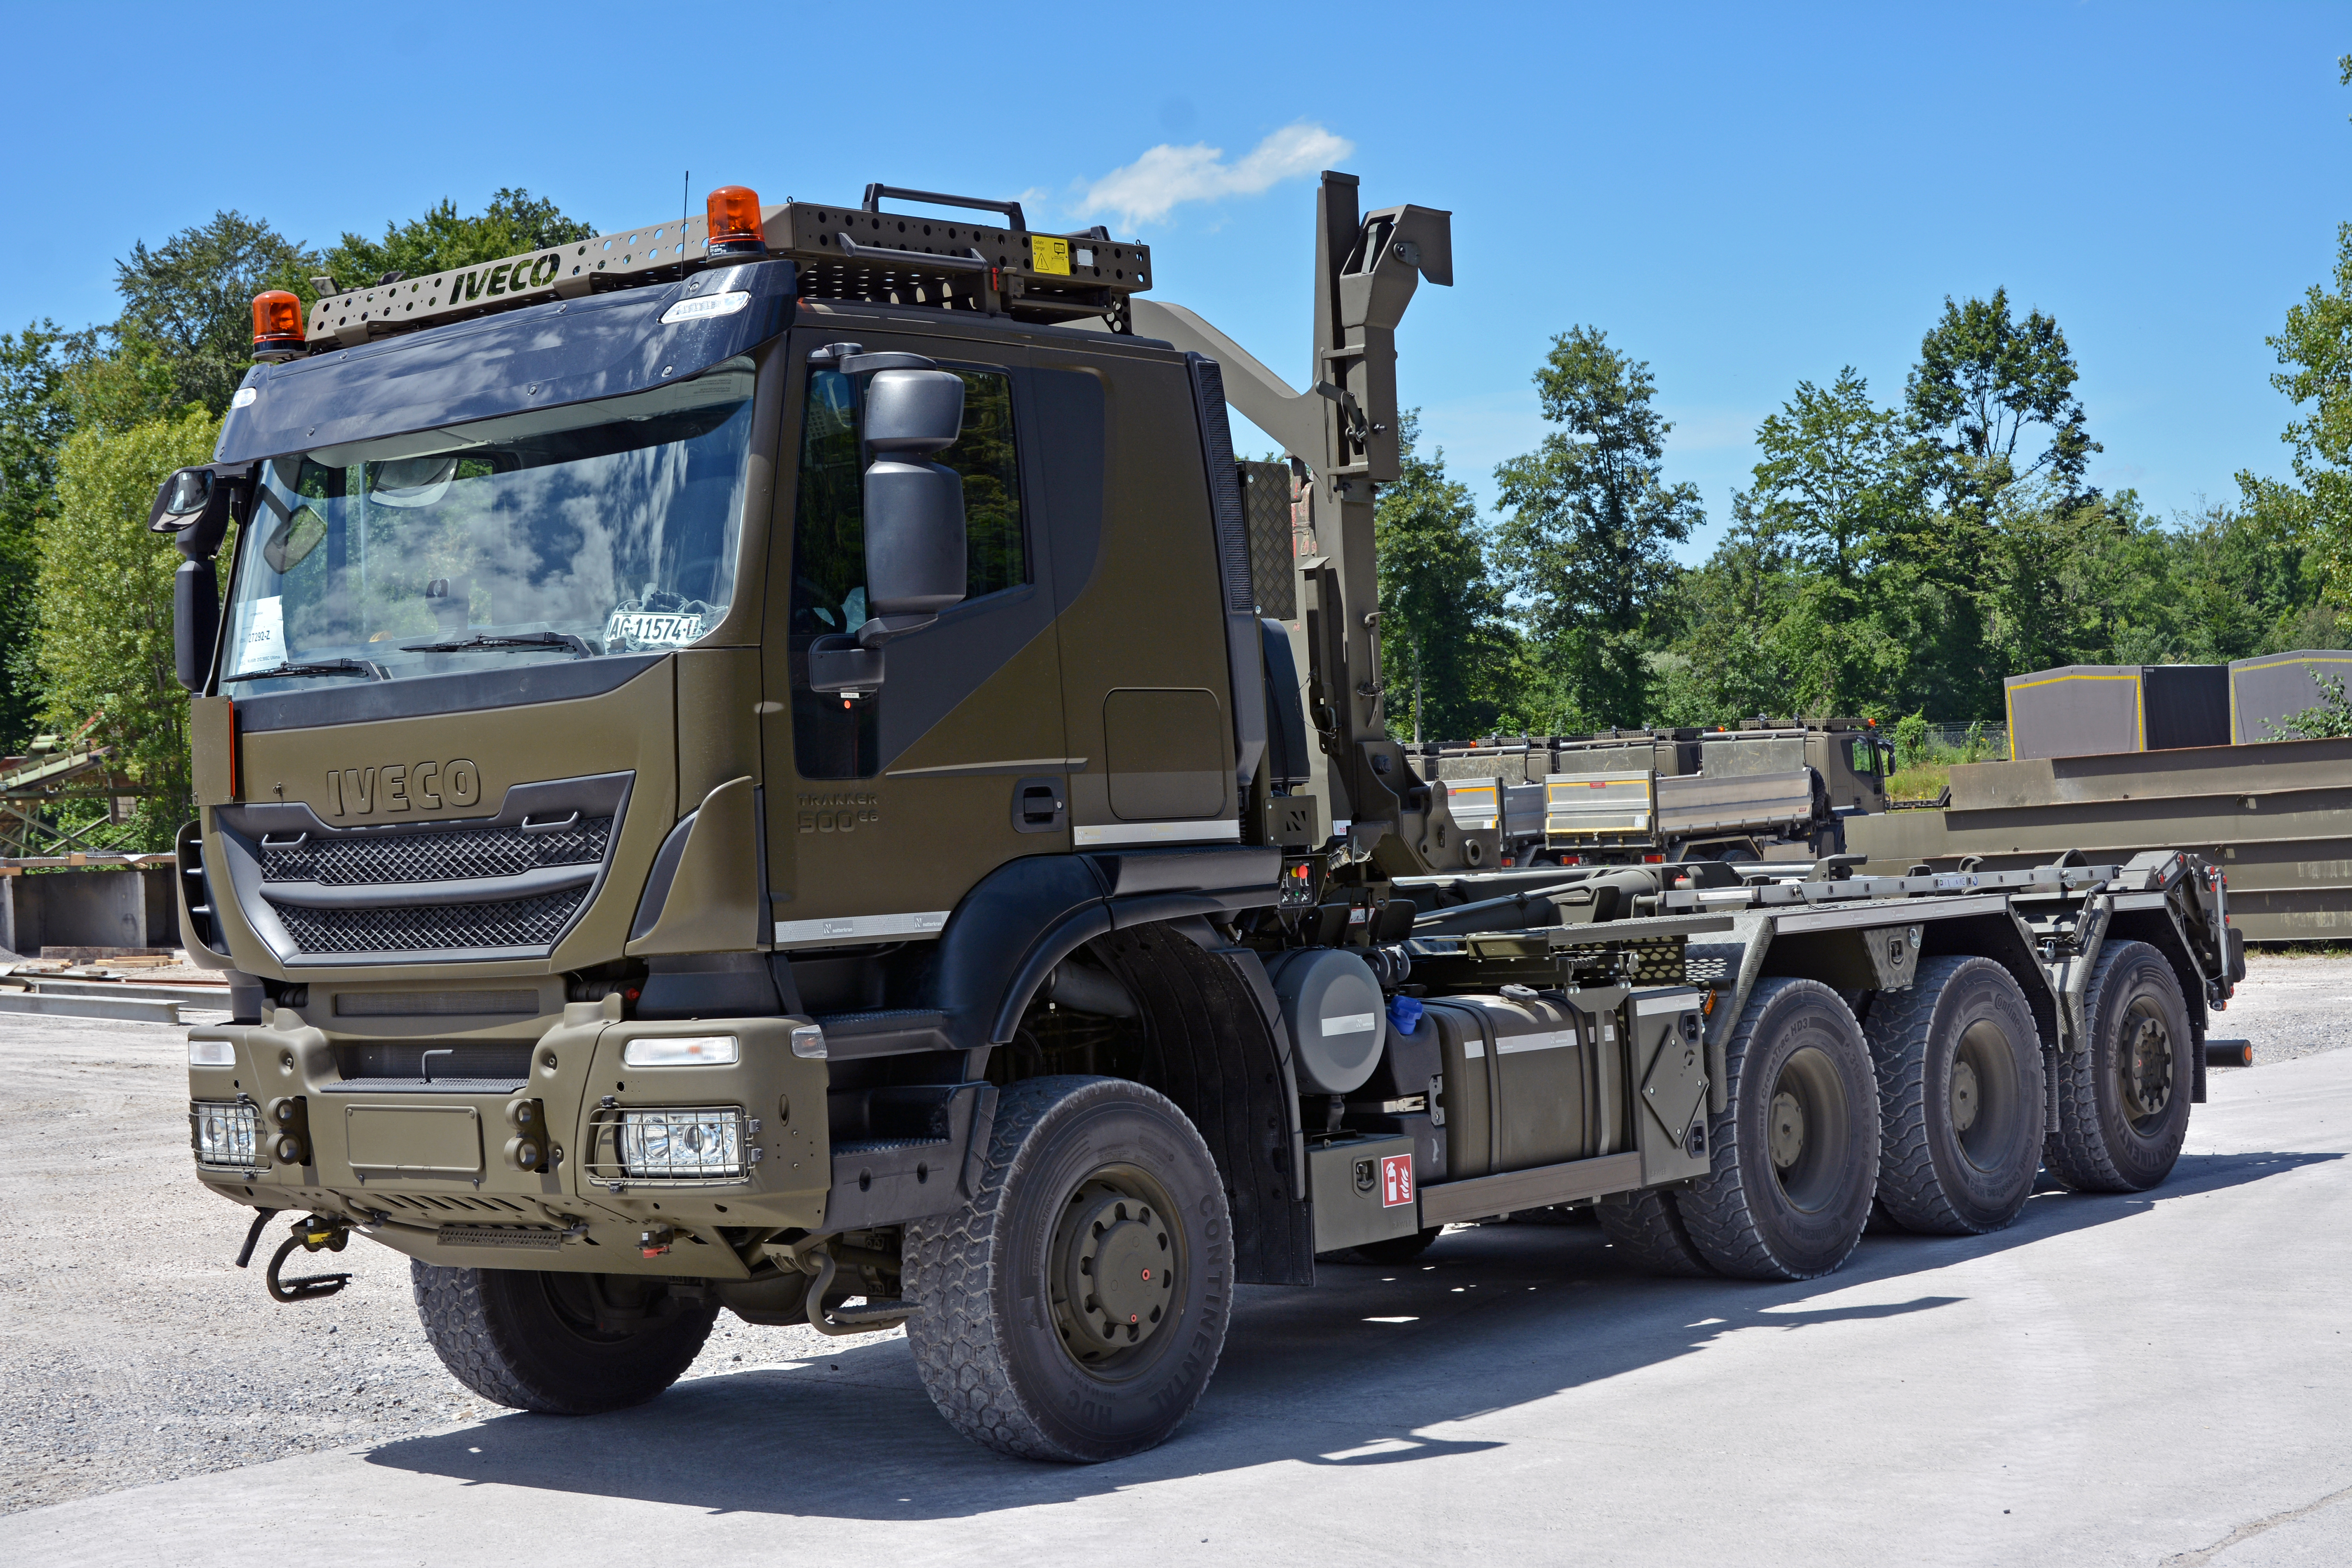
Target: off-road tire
(2100, 1145)
(991, 1341)
(1959, 1047)
(1797, 1039)
(504, 1333)
(1396, 1248)
(1649, 1226)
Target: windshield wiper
(319, 666)
(579, 645)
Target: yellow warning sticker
(1048, 254)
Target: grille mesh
(512, 922)
(435, 857)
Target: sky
(1745, 198)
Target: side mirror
(181, 501)
(195, 622)
(915, 552)
(914, 509)
(197, 504)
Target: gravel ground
(140, 1357)
(137, 1351)
(2289, 1007)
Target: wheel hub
(1121, 1275)
(1965, 1098)
(2147, 1065)
(1788, 1129)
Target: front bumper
(438, 1171)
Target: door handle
(1040, 805)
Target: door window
(833, 736)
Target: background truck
(741, 768)
(1765, 791)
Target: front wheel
(563, 1344)
(1076, 1308)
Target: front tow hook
(312, 1233)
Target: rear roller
(1796, 1149)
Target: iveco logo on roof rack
(706, 308)
(507, 276)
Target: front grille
(405, 1059)
(510, 922)
(434, 857)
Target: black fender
(1214, 1036)
(1028, 915)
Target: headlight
(682, 1051)
(684, 1145)
(211, 1054)
(226, 1133)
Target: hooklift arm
(1345, 429)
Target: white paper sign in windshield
(264, 643)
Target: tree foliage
(188, 303)
(1446, 648)
(1591, 528)
(104, 599)
(514, 222)
(36, 417)
(2316, 345)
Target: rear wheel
(563, 1344)
(1650, 1227)
(1796, 1149)
(1074, 1309)
(2122, 1095)
(1960, 1091)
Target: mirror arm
(851, 359)
(880, 629)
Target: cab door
(884, 808)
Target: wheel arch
(1217, 1046)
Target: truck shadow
(1353, 1373)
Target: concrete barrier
(125, 907)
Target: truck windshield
(601, 527)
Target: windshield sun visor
(515, 364)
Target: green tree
(515, 222)
(1987, 385)
(1836, 486)
(35, 416)
(1591, 528)
(104, 598)
(1732, 660)
(189, 302)
(1446, 654)
(2315, 346)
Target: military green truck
(1767, 790)
(740, 768)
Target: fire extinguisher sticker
(1396, 1180)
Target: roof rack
(859, 253)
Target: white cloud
(1147, 190)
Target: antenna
(685, 196)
